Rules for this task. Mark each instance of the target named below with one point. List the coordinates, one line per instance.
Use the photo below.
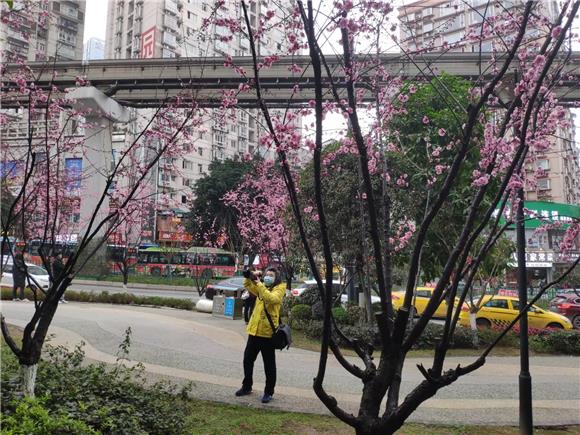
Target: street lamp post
(525, 379)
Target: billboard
(73, 169)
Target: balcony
(70, 12)
(16, 35)
(171, 6)
(169, 39)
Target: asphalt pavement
(188, 346)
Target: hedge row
(304, 317)
(112, 298)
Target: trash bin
(228, 307)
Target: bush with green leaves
(356, 314)
(341, 316)
(111, 400)
(32, 418)
(113, 298)
(300, 312)
(566, 342)
(309, 296)
(287, 304)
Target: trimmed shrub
(309, 296)
(300, 312)
(112, 298)
(340, 315)
(365, 333)
(318, 311)
(355, 314)
(430, 336)
(566, 342)
(313, 329)
(463, 338)
(288, 303)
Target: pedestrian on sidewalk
(18, 277)
(269, 296)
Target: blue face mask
(268, 281)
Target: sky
(96, 19)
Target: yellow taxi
(501, 310)
(420, 301)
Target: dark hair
(278, 278)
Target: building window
(187, 165)
(200, 168)
(544, 184)
(200, 151)
(543, 164)
(204, 7)
(183, 199)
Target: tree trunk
(28, 377)
(125, 271)
(473, 324)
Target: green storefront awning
(553, 212)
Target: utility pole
(525, 379)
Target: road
(189, 346)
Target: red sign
(506, 292)
(174, 237)
(148, 43)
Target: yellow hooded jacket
(258, 324)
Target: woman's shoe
(267, 398)
(243, 392)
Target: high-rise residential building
(57, 34)
(443, 24)
(439, 25)
(94, 49)
(174, 28)
(557, 170)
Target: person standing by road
(269, 296)
(18, 277)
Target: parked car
(311, 283)
(501, 310)
(234, 284)
(337, 287)
(39, 274)
(420, 301)
(568, 305)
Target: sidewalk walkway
(188, 346)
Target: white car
(37, 274)
(336, 287)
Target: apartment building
(443, 24)
(58, 34)
(555, 190)
(174, 28)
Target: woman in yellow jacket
(270, 294)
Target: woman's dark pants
(254, 346)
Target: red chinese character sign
(148, 43)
